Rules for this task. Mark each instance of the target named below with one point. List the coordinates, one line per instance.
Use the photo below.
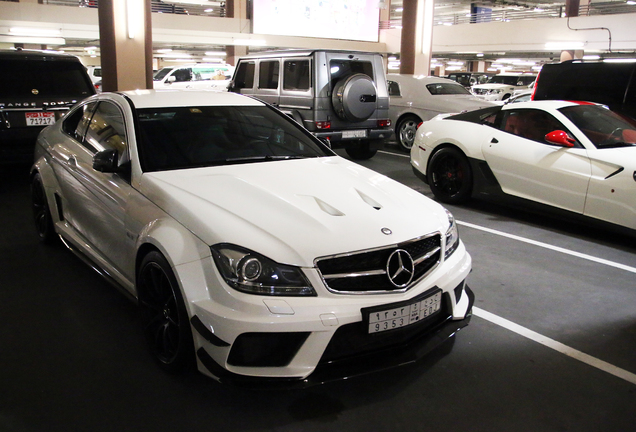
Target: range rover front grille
(389, 269)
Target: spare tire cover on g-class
(36, 90)
(339, 96)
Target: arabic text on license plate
(393, 318)
(354, 134)
(40, 118)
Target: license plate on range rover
(40, 118)
(398, 315)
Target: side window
(184, 74)
(78, 122)
(75, 123)
(296, 75)
(268, 74)
(530, 124)
(107, 130)
(245, 75)
(394, 88)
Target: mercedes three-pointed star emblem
(400, 268)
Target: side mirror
(561, 138)
(171, 79)
(106, 161)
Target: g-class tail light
(323, 125)
(384, 123)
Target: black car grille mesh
(367, 271)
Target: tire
(406, 130)
(165, 320)
(41, 212)
(360, 150)
(449, 176)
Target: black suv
(612, 83)
(36, 90)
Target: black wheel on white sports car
(406, 130)
(449, 176)
(41, 211)
(165, 320)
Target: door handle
(494, 141)
(72, 161)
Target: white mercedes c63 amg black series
(250, 247)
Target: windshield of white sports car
(603, 127)
(193, 137)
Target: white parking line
(558, 346)
(551, 247)
(544, 340)
(394, 154)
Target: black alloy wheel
(41, 212)
(165, 320)
(449, 176)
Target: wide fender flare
(469, 138)
(51, 185)
(185, 252)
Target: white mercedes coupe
(253, 250)
(573, 156)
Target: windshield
(190, 137)
(446, 89)
(161, 74)
(603, 127)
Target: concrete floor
(72, 356)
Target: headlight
(452, 236)
(252, 273)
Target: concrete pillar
(235, 9)
(417, 37)
(125, 38)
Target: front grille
(369, 271)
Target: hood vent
(330, 210)
(367, 199)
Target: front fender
(182, 249)
(51, 185)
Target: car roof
(22, 54)
(428, 79)
(184, 97)
(544, 104)
(302, 53)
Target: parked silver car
(417, 98)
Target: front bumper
(408, 351)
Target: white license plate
(40, 118)
(354, 134)
(410, 313)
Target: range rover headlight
(452, 236)
(253, 273)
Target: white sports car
(249, 245)
(579, 157)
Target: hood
(615, 158)
(296, 210)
